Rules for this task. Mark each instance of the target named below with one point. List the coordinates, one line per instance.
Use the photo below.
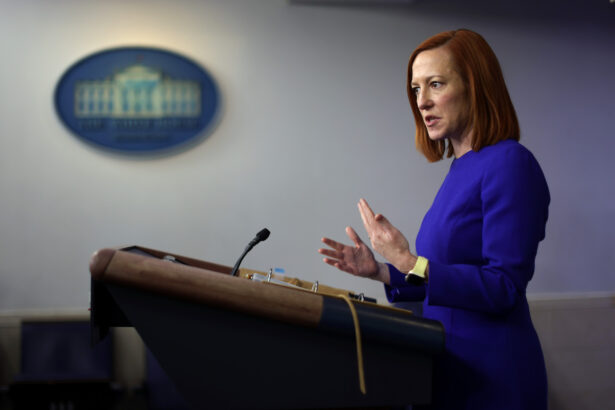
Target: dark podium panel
(236, 355)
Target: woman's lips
(431, 120)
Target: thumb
(381, 218)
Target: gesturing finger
(334, 244)
(367, 215)
(331, 253)
(354, 237)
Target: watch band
(416, 275)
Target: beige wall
(578, 339)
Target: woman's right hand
(357, 260)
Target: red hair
(492, 116)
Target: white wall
(314, 117)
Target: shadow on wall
(543, 11)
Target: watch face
(413, 279)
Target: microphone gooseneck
(260, 236)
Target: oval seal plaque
(137, 99)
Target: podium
(227, 342)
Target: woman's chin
(435, 136)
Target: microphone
(260, 236)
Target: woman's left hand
(386, 239)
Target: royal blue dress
(481, 235)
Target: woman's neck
(462, 145)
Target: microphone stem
(236, 267)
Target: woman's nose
(423, 100)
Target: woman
(476, 246)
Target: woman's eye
(416, 90)
(436, 84)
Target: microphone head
(263, 234)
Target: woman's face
(440, 94)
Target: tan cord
(357, 332)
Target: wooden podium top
(210, 283)
(205, 285)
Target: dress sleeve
(514, 201)
(401, 291)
